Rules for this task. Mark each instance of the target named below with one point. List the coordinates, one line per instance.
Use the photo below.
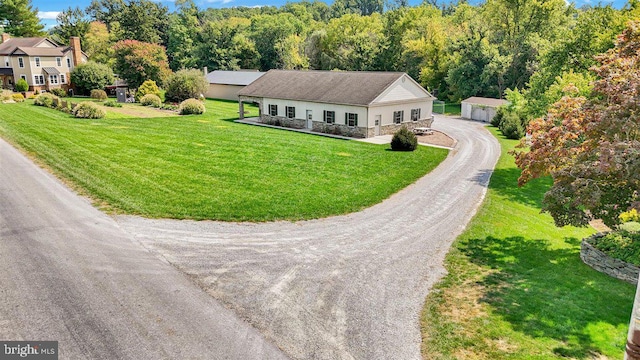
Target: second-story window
(37, 60)
(58, 61)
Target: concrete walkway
(345, 287)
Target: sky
(49, 9)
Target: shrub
(404, 140)
(147, 87)
(88, 110)
(21, 85)
(191, 106)
(169, 107)
(186, 84)
(511, 126)
(91, 75)
(631, 215)
(17, 97)
(45, 99)
(621, 245)
(112, 103)
(6, 95)
(59, 92)
(98, 94)
(151, 100)
(497, 119)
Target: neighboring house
(227, 84)
(40, 61)
(480, 108)
(350, 103)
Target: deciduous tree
(137, 61)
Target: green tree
(353, 42)
(268, 31)
(224, 45)
(591, 147)
(20, 18)
(184, 27)
(70, 22)
(137, 61)
(142, 20)
(91, 76)
(186, 84)
(98, 43)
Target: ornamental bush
(59, 92)
(21, 85)
(46, 100)
(511, 126)
(147, 87)
(623, 245)
(88, 110)
(98, 94)
(404, 140)
(112, 103)
(191, 106)
(17, 97)
(91, 75)
(151, 100)
(186, 84)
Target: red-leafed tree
(591, 147)
(138, 61)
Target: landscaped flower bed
(616, 254)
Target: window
(330, 117)
(20, 62)
(273, 110)
(23, 76)
(351, 119)
(58, 61)
(415, 114)
(398, 116)
(37, 60)
(68, 62)
(53, 79)
(6, 61)
(38, 79)
(291, 111)
(62, 79)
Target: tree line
(528, 50)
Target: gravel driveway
(345, 287)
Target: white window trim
(59, 61)
(21, 62)
(290, 108)
(51, 79)
(69, 63)
(37, 61)
(63, 79)
(333, 117)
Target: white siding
(403, 89)
(317, 110)
(466, 110)
(386, 111)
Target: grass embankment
(517, 289)
(208, 167)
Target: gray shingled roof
(491, 102)
(336, 87)
(39, 51)
(241, 77)
(10, 45)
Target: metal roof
(6, 71)
(241, 77)
(51, 70)
(336, 87)
(491, 102)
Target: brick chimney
(5, 37)
(74, 42)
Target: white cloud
(48, 15)
(219, 1)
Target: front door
(377, 125)
(309, 119)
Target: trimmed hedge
(147, 87)
(17, 97)
(191, 106)
(98, 94)
(46, 100)
(151, 100)
(88, 110)
(404, 140)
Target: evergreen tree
(20, 18)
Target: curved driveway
(343, 287)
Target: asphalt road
(345, 287)
(69, 273)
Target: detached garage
(480, 108)
(225, 84)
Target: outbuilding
(348, 103)
(481, 108)
(225, 84)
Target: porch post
(241, 109)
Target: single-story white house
(481, 108)
(349, 103)
(225, 84)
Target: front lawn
(208, 167)
(517, 289)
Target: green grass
(517, 289)
(208, 167)
(453, 109)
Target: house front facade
(42, 63)
(355, 104)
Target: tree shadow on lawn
(548, 292)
